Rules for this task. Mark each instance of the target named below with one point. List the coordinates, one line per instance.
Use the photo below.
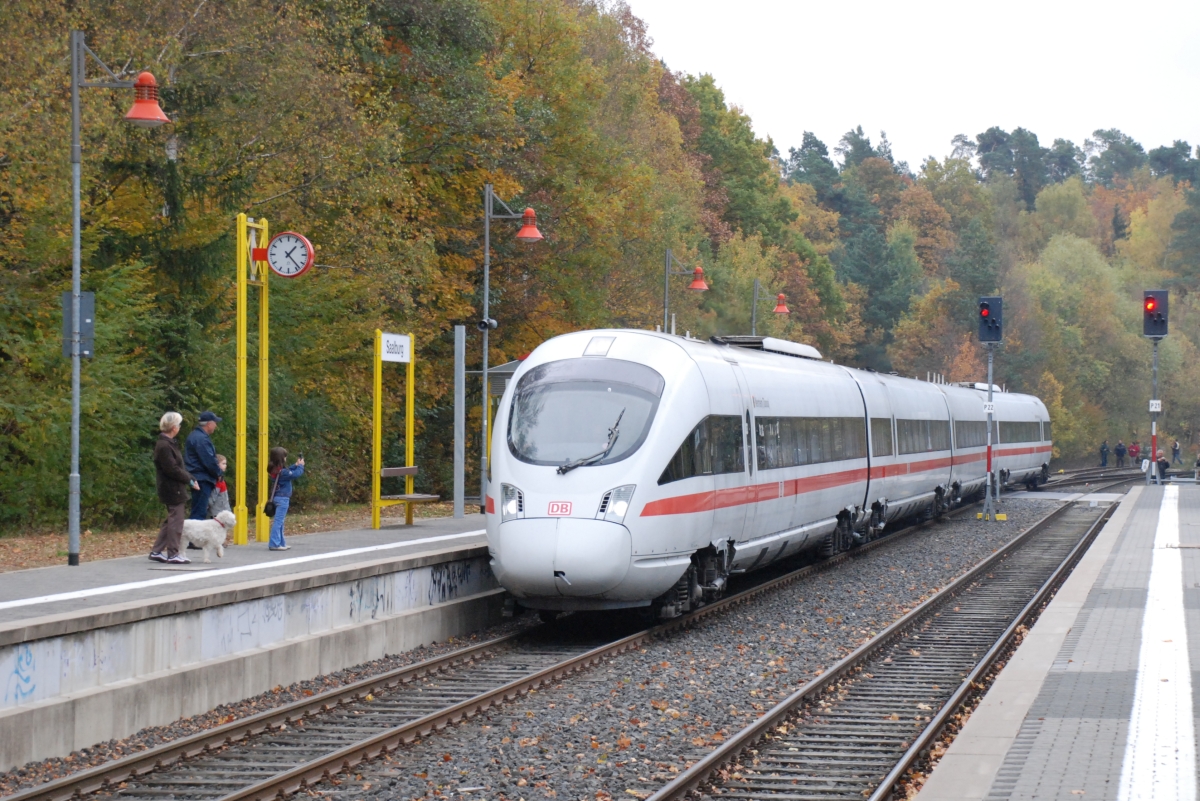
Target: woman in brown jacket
(173, 482)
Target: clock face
(289, 254)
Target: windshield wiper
(613, 433)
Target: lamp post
(145, 113)
(697, 285)
(528, 233)
(780, 308)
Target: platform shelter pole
(410, 403)
(377, 429)
(460, 417)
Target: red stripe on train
(754, 493)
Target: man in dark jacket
(1120, 452)
(201, 462)
(172, 480)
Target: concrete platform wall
(66, 692)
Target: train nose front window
(563, 411)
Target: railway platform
(1097, 701)
(101, 650)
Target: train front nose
(563, 556)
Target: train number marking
(559, 508)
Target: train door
(729, 438)
(881, 446)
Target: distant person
(172, 480)
(201, 462)
(1161, 466)
(1104, 453)
(1135, 450)
(282, 477)
(1120, 452)
(219, 500)
(1175, 457)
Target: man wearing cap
(201, 462)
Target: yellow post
(244, 264)
(491, 416)
(410, 384)
(239, 510)
(377, 431)
(262, 526)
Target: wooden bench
(407, 499)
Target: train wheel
(839, 540)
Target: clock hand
(289, 258)
(290, 252)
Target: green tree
(1116, 154)
(889, 272)
(974, 266)
(1176, 161)
(743, 163)
(1064, 160)
(855, 147)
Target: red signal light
(1151, 304)
(983, 312)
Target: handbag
(269, 507)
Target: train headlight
(615, 504)
(512, 503)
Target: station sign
(396, 348)
(1156, 405)
(989, 408)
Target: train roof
(773, 349)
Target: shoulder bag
(269, 506)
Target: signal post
(1155, 322)
(991, 331)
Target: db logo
(559, 508)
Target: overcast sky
(925, 70)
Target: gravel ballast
(628, 726)
(35, 773)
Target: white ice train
(639, 469)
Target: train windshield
(563, 411)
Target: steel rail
(920, 747)
(1093, 474)
(346, 759)
(701, 772)
(137, 766)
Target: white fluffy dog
(209, 534)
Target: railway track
(1091, 475)
(856, 731)
(296, 746)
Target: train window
(795, 441)
(1020, 432)
(923, 436)
(563, 410)
(881, 436)
(713, 447)
(1046, 431)
(970, 433)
